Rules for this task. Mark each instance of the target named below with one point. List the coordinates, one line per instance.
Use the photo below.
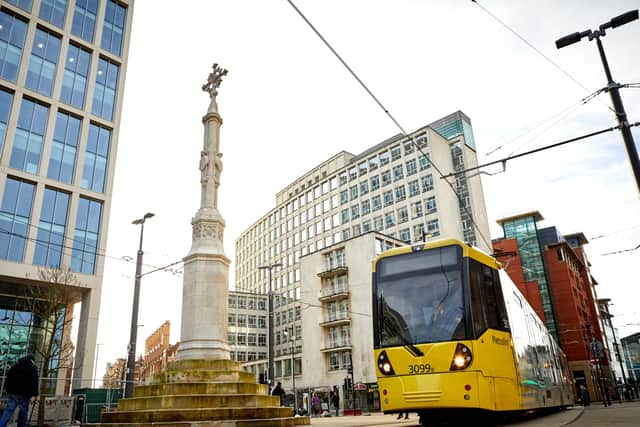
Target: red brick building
(552, 272)
(158, 351)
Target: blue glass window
(42, 66)
(84, 19)
(22, 4)
(12, 32)
(53, 220)
(6, 99)
(74, 82)
(95, 159)
(63, 149)
(86, 236)
(53, 11)
(27, 144)
(114, 20)
(14, 218)
(104, 95)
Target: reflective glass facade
(61, 72)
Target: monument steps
(178, 388)
(201, 401)
(273, 422)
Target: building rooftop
(535, 214)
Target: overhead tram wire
(547, 147)
(514, 32)
(559, 116)
(404, 133)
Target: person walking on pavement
(584, 396)
(406, 415)
(335, 401)
(22, 385)
(277, 391)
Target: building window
(433, 228)
(334, 361)
(11, 44)
(397, 173)
(418, 232)
(262, 339)
(400, 193)
(95, 159)
(395, 153)
(373, 163)
(384, 158)
(427, 183)
(345, 216)
(414, 188)
(405, 235)
(84, 19)
(231, 319)
(425, 163)
(353, 173)
(42, 65)
(27, 143)
(377, 202)
(366, 226)
(53, 221)
(366, 208)
(386, 178)
(403, 215)
(113, 30)
(63, 148)
(389, 220)
(354, 192)
(53, 11)
(431, 205)
(15, 213)
(412, 169)
(362, 168)
(22, 4)
(388, 198)
(344, 196)
(375, 182)
(364, 187)
(343, 178)
(74, 81)
(416, 210)
(262, 321)
(378, 223)
(6, 99)
(104, 96)
(355, 211)
(86, 236)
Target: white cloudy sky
(288, 104)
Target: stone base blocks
(202, 393)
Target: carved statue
(204, 166)
(214, 80)
(217, 167)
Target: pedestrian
(277, 391)
(22, 385)
(406, 415)
(335, 401)
(584, 396)
(315, 405)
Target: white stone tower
(206, 268)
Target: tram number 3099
(420, 368)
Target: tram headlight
(462, 358)
(384, 364)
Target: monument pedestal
(202, 393)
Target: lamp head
(568, 40)
(625, 18)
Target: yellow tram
(455, 340)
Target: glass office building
(62, 71)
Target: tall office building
(393, 188)
(62, 73)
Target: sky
(288, 104)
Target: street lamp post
(293, 371)
(612, 87)
(270, 374)
(95, 365)
(131, 360)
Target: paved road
(619, 415)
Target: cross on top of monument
(214, 80)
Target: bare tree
(51, 304)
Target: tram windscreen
(419, 297)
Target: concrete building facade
(62, 73)
(393, 189)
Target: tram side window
(487, 302)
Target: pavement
(625, 414)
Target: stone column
(203, 332)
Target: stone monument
(204, 388)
